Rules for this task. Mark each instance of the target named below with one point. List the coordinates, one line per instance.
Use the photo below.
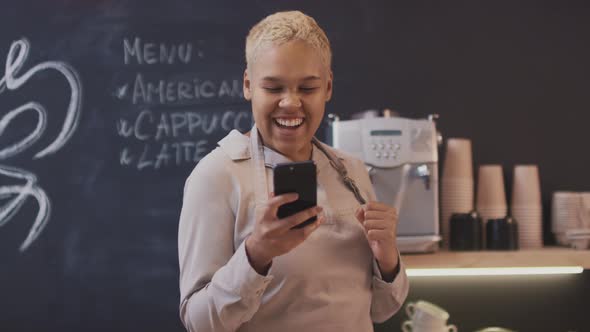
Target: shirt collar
(272, 157)
(237, 146)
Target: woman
(242, 268)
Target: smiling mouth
(289, 123)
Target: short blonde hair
(282, 27)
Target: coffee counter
(549, 256)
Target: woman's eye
(273, 89)
(308, 88)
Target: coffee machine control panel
(387, 142)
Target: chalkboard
(106, 106)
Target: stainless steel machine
(401, 156)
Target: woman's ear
(329, 86)
(246, 86)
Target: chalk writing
(17, 55)
(173, 135)
(165, 154)
(10, 81)
(179, 90)
(169, 137)
(157, 53)
(21, 193)
(148, 125)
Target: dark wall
(91, 173)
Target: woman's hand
(274, 237)
(380, 223)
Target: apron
(332, 266)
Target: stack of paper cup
(457, 183)
(491, 197)
(584, 211)
(526, 206)
(564, 214)
(569, 210)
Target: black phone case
(299, 177)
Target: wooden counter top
(549, 256)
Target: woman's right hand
(274, 237)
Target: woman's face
(289, 86)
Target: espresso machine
(401, 156)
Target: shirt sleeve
(388, 297)
(219, 290)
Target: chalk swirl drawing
(17, 194)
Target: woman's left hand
(380, 223)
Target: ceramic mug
(494, 329)
(426, 313)
(409, 326)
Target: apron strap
(341, 169)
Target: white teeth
(289, 122)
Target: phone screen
(299, 177)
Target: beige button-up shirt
(330, 282)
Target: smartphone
(298, 177)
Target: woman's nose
(290, 100)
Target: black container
(466, 231)
(502, 234)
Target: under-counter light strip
(494, 271)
